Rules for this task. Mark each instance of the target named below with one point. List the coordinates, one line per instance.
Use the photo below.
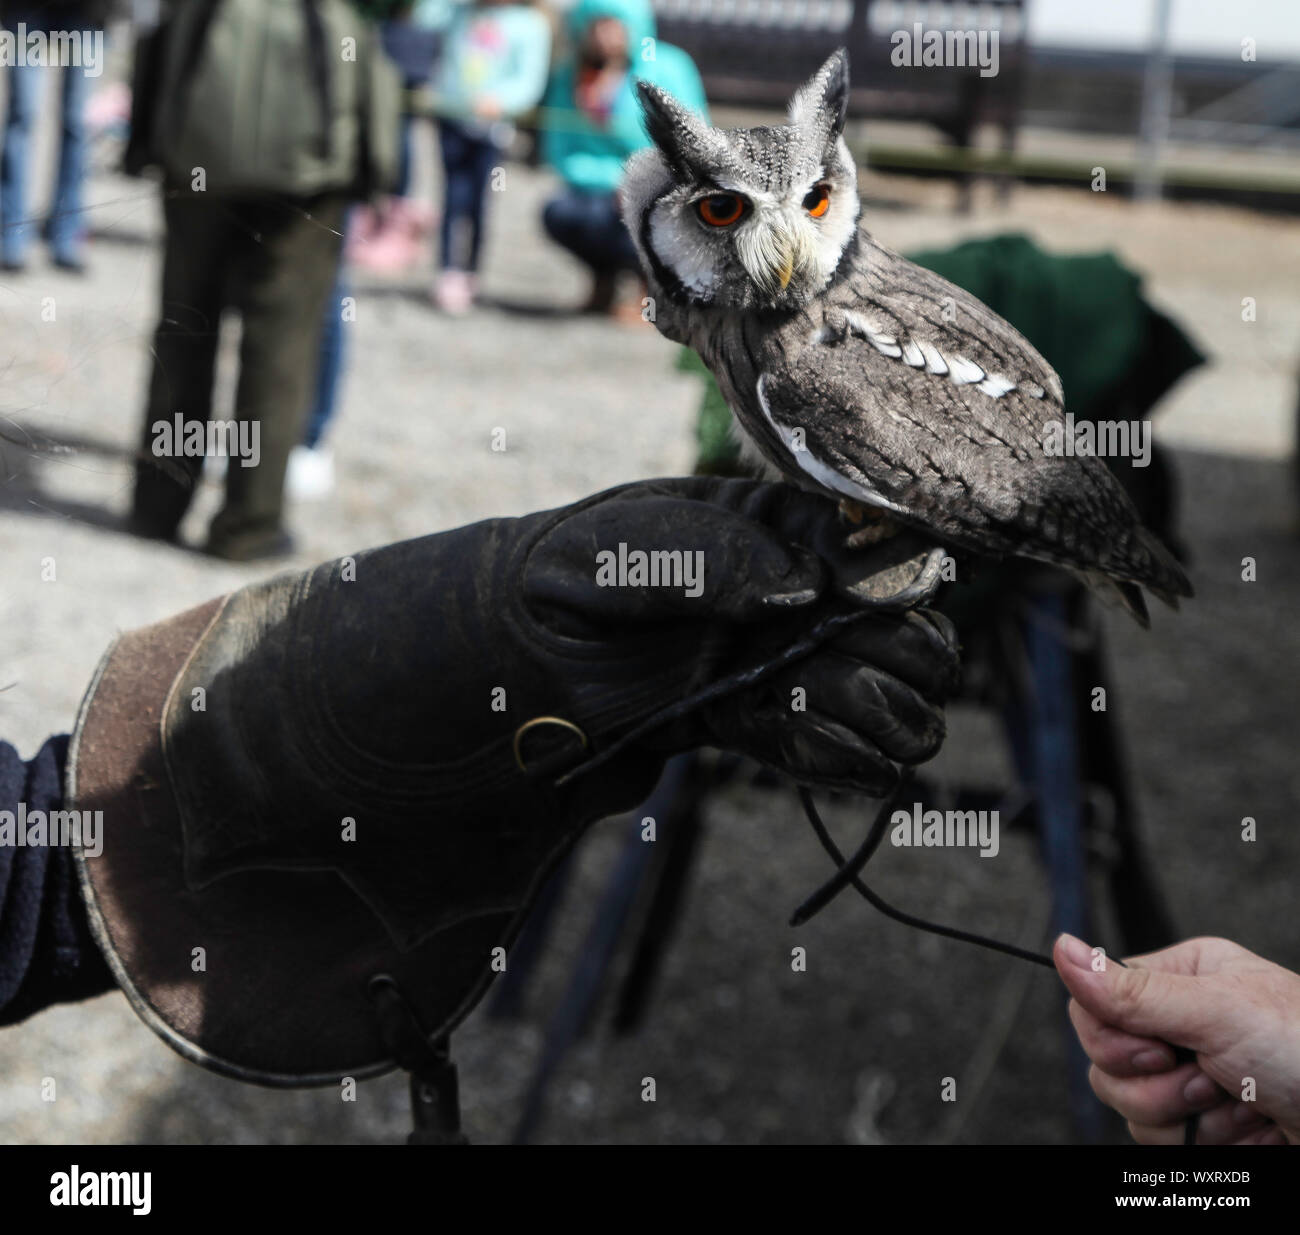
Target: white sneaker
(311, 473)
(453, 292)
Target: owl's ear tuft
(821, 106)
(680, 135)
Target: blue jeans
(405, 157)
(64, 228)
(414, 51)
(329, 364)
(467, 163)
(589, 226)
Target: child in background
(389, 234)
(593, 123)
(493, 69)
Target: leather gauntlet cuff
(248, 962)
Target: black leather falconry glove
(369, 767)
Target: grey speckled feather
(855, 372)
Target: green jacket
(269, 96)
(589, 157)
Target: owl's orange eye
(818, 201)
(721, 209)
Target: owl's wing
(896, 416)
(910, 302)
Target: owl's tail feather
(1120, 594)
(1160, 573)
(1164, 576)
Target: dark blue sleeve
(47, 953)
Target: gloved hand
(401, 693)
(434, 692)
(762, 565)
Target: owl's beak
(785, 253)
(772, 253)
(785, 271)
(776, 259)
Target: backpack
(291, 97)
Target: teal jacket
(500, 52)
(590, 158)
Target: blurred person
(493, 70)
(391, 235)
(346, 694)
(64, 228)
(257, 178)
(592, 123)
(1237, 1011)
(310, 474)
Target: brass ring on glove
(543, 720)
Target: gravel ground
(742, 1048)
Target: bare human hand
(1237, 1011)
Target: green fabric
(240, 97)
(588, 157)
(1084, 312)
(382, 10)
(717, 452)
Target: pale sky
(1200, 27)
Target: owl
(856, 373)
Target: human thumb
(1179, 1008)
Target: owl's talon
(852, 512)
(872, 525)
(872, 532)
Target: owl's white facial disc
(780, 253)
(748, 219)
